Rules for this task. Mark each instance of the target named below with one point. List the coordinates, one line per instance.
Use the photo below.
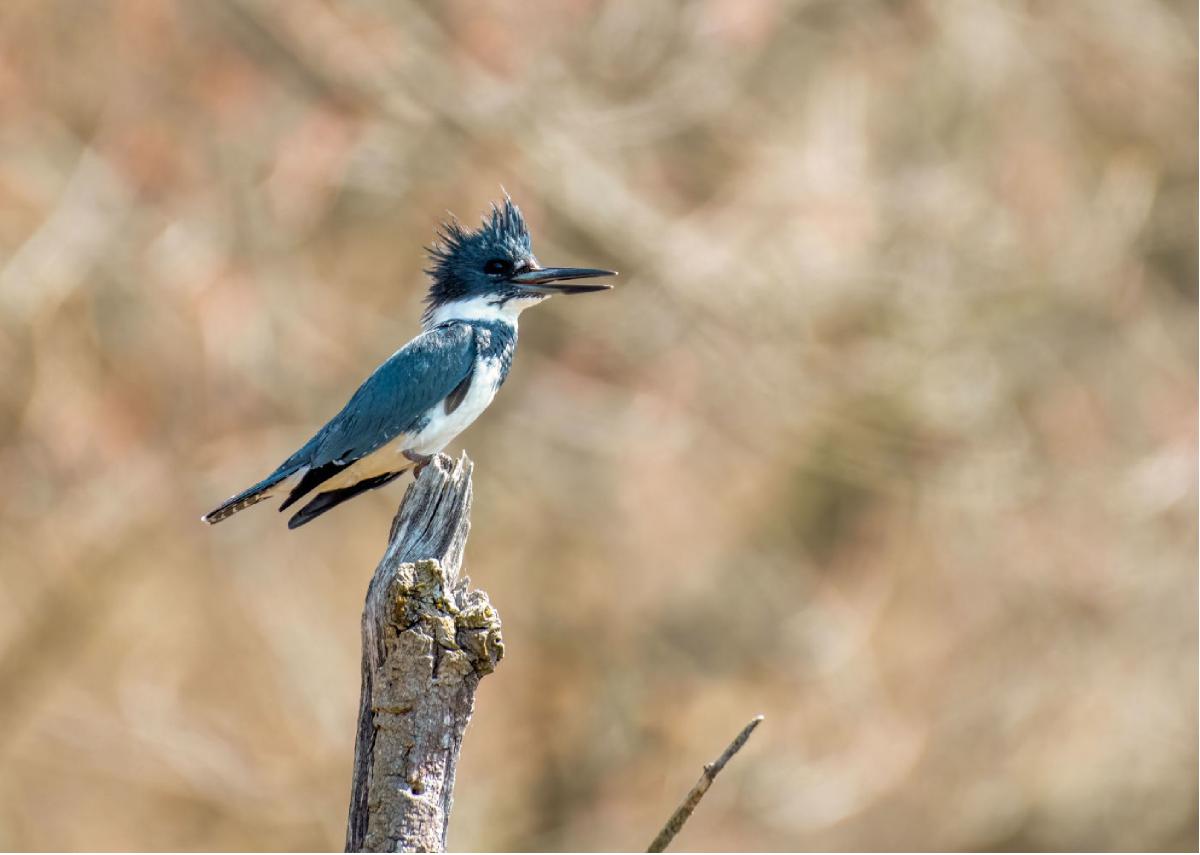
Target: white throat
(482, 309)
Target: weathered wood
(427, 641)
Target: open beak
(552, 280)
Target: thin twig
(684, 812)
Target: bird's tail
(264, 489)
(330, 499)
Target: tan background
(889, 431)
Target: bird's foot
(422, 460)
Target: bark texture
(427, 641)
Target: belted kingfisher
(431, 389)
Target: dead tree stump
(427, 641)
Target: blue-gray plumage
(431, 389)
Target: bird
(431, 389)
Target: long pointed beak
(549, 280)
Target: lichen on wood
(427, 641)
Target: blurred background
(889, 431)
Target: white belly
(443, 427)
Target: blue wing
(392, 401)
(396, 397)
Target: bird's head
(491, 273)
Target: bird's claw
(422, 460)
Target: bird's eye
(498, 267)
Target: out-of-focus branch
(684, 812)
(427, 641)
